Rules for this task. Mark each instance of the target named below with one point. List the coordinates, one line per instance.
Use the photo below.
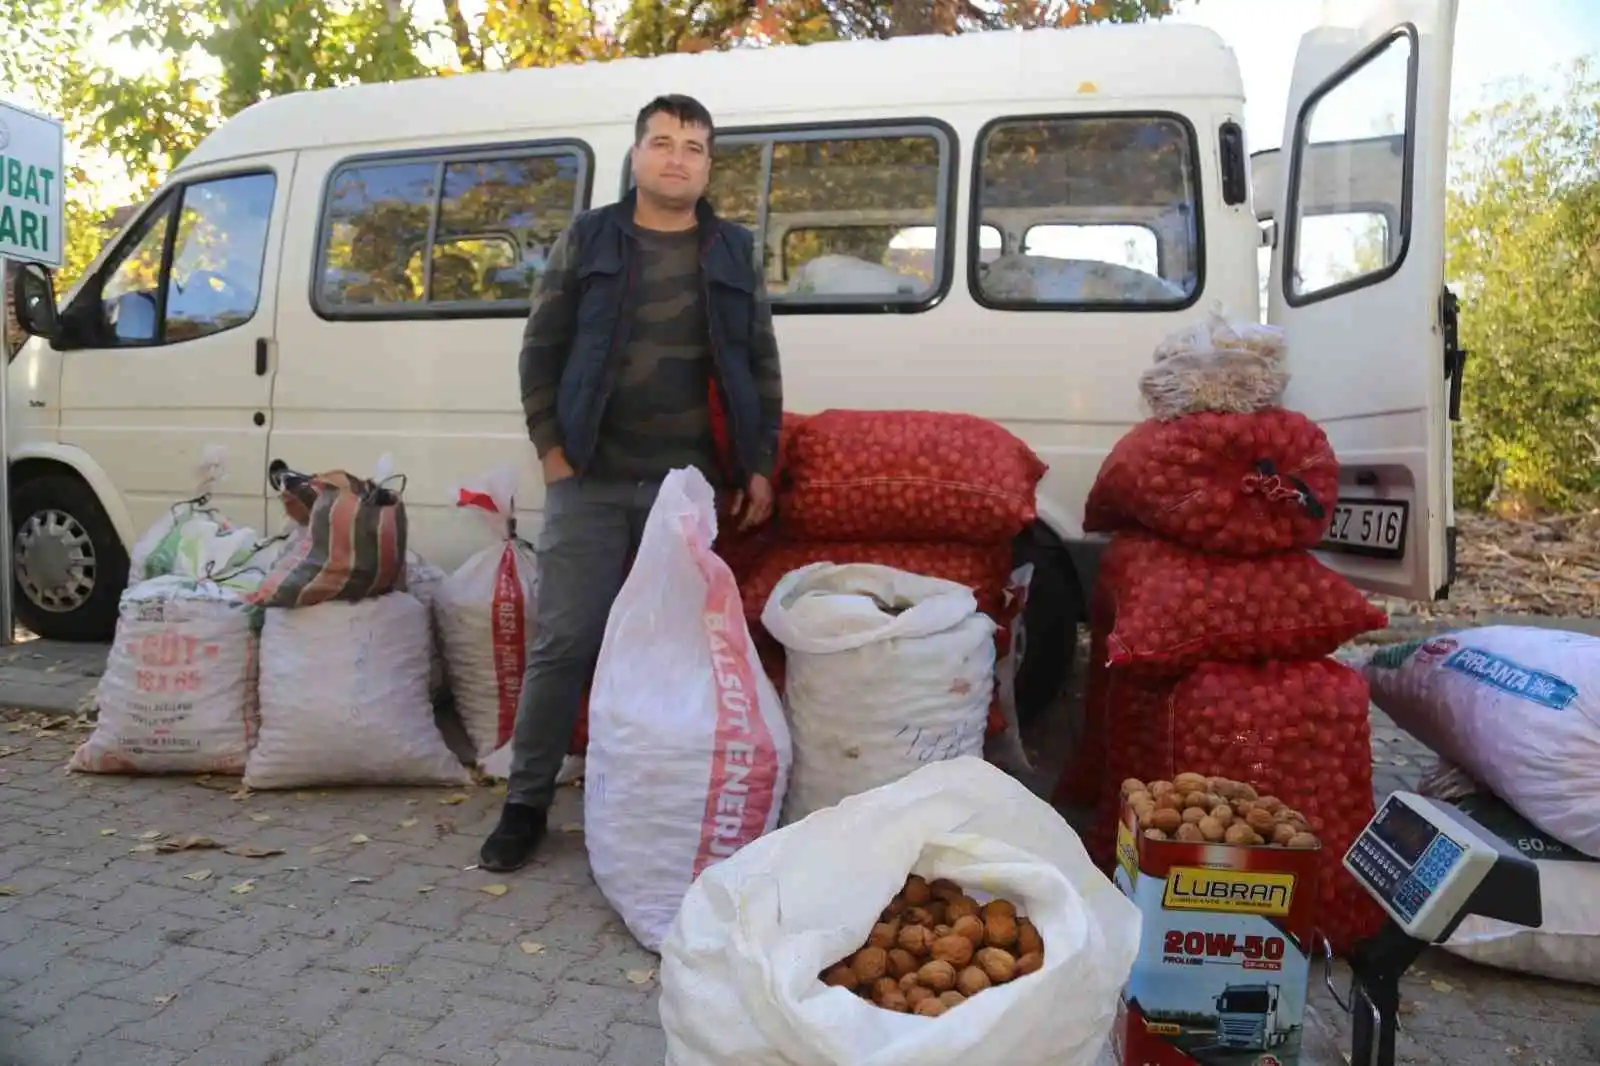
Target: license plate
(1369, 527)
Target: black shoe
(514, 840)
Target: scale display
(1419, 861)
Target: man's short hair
(686, 109)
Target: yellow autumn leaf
(243, 887)
(495, 890)
(197, 875)
(452, 800)
(108, 832)
(360, 838)
(407, 823)
(640, 977)
(531, 947)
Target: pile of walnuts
(1214, 810)
(935, 947)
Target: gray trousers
(591, 531)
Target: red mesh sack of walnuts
(1234, 484)
(1299, 731)
(908, 476)
(1173, 608)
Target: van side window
(210, 284)
(462, 234)
(1350, 213)
(849, 219)
(1093, 212)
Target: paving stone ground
(370, 941)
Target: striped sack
(353, 546)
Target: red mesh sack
(1296, 730)
(1132, 746)
(908, 476)
(1173, 608)
(1235, 484)
(984, 569)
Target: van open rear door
(1357, 280)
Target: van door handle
(261, 357)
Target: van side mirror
(33, 295)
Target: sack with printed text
(351, 543)
(688, 749)
(344, 698)
(1513, 706)
(486, 614)
(739, 971)
(887, 670)
(1566, 945)
(178, 695)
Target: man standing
(650, 333)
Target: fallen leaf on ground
(495, 890)
(572, 827)
(531, 947)
(152, 834)
(187, 844)
(360, 881)
(142, 849)
(197, 875)
(318, 849)
(6, 749)
(640, 977)
(242, 793)
(261, 817)
(243, 887)
(412, 802)
(453, 799)
(407, 823)
(380, 971)
(8, 890)
(108, 832)
(248, 851)
(360, 838)
(424, 888)
(224, 784)
(1441, 986)
(162, 1001)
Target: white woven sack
(344, 698)
(179, 691)
(486, 612)
(887, 671)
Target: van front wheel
(69, 564)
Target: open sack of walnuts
(744, 972)
(935, 947)
(1214, 810)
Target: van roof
(1034, 69)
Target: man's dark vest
(607, 267)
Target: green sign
(30, 186)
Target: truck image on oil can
(1247, 1018)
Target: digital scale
(1429, 865)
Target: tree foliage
(1524, 254)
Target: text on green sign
(25, 182)
(22, 228)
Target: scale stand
(1429, 865)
